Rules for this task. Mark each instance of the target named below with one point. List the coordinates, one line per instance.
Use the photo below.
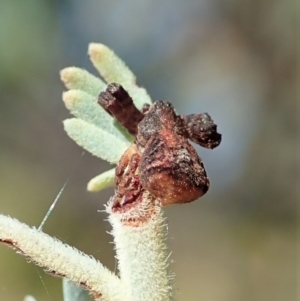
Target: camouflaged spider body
(161, 160)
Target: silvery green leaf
(139, 95)
(79, 79)
(113, 69)
(29, 298)
(109, 65)
(102, 181)
(84, 106)
(95, 140)
(72, 292)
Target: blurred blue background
(233, 59)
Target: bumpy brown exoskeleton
(161, 160)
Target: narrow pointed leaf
(102, 181)
(95, 140)
(79, 79)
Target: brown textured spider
(161, 160)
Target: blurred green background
(234, 59)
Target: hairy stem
(139, 233)
(61, 260)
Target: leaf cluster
(93, 128)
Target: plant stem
(139, 235)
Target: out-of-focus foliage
(233, 59)
(74, 293)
